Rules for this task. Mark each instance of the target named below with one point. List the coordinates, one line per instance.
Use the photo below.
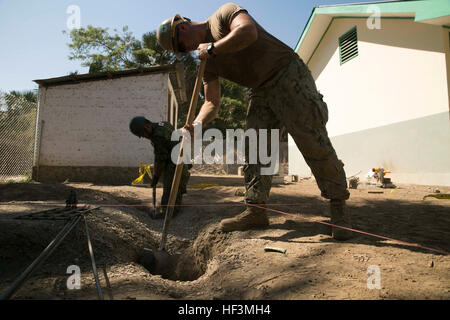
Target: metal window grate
(348, 46)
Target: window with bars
(348, 46)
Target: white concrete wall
(398, 75)
(87, 124)
(389, 106)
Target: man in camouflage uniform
(283, 93)
(159, 134)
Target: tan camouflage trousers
(291, 99)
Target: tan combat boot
(340, 217)
(251, 218)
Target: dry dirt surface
(208, 264)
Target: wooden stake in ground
(180, 164)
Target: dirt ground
(209, 264)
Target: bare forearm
(207, 113)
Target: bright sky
(32, 45)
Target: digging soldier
(159, 133)
(283, 93)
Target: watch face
(209, 48)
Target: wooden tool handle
(179, 169)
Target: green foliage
(149, 52)
(17, 131)
(233, 107)
(18, 110)
(28, 177)
(18, 116)
(101, 51)
(28, 95)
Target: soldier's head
(141, 127)
(178, 35)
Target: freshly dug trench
(185, 264)
(119, 234)
(177, 266)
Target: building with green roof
(383, 68)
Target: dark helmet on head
(137, 125)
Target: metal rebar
(107, 283)
(40, 259)
(50, 214)
(94, 267)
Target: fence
(17, 136)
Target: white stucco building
(386, 84)
(83, 120)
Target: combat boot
(251, 218)
(340, 217)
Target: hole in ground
(178, 266)
(190, 262)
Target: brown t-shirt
(251, 66)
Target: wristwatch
(210, 49)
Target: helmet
(166, 33)
(137, 125)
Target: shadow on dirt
(426, 224)
(423, 223)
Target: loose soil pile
(209, 264)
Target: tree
(28, 95)
(17, 130)
(101, 51)
(150, 52)
(18, 110)
(233, 107)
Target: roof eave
(96, 76)
(419, 10)
(305, 29)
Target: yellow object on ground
(392, 191)
(438, 196)
(143, 170)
